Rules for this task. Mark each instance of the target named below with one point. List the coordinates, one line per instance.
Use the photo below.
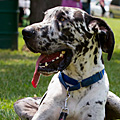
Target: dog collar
(75, 85)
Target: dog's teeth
(63, 52)
(61, 55)
(46, 64)
(53, 60)
(43, 66)
(57, 58)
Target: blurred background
(34, 9)
(20, 13)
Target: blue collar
(75, 85)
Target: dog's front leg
(47, 112)
(53, 102)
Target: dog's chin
(52, 63)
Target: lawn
(17, 68)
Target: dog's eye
(62, 19)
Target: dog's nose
(28, 33)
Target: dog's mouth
(52, 63)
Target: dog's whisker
(71, 46)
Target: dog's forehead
(69, 11)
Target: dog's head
(63, 33)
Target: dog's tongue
(42, 58)
(36, 75)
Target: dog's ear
(103, 33)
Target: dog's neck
(84, 66)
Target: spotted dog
(71, 43)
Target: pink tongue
(36, 75)
(43, 58)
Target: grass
(17, 68)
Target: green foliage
(17, 68)
(20, 39)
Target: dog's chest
(76, 97)
(86, 99)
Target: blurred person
(72, 3)
(86, 5)
(21, 14)
(102, 4)
(27, 11)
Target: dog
(71, 43)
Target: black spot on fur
(87, 103)
(102, 59)
(95, 59)
(49, 39)
(86, 43)
(85, 50)
(89, 35)
(79, 48)
(95, 51)
(75, 60)
(63, 37)
(57, 25)
(91, 47)
(43, 48)
(52, 33)
(77, 29)
(40, 43)
(67, 24)
(44, 31)
(89, 115)
(92, 41)
(67, 34)
(53, 40)
(99, 102)
(66, 12)
(82, 68)
(47, 45)
(81, 65)
(90, 87)
(85, 62)
(52, 81)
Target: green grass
(17, 68)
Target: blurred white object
(115, 9)
(96, 8)
(24, 3)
